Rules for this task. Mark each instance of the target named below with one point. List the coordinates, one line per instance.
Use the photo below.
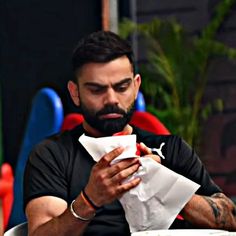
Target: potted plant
(175, 75)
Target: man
(67, 193)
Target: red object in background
(6, 191)
(148, 122)
(71, 120)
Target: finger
(121, 165)
(107, 158)
(122, 175)
(144, 149)
(154, 157)
(128, 185)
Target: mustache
(111, 109)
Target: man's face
(106, 93)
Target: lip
(111, 116)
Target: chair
(18, 230)
(139, 103)
(6, 191)
(45, 119)
(71, 120)
(148, 122)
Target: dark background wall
(219, 139)
(36, 41)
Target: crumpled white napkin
(162, 193)
(98, 147)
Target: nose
(111, 97)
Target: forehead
(106, 73)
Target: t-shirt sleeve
(185, 161)
(45, 172)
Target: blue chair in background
(140, 104)
(45, 119)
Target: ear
(137, 83)
(74, 92)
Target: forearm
(64, 224)
(216, 212)
(60, 226)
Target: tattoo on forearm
(228, 203)
(223, 209)
(234, 211)
(214, 207)
(218, 212)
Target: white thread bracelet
(78, 216)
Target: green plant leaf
(175, 76)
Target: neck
(96, 133)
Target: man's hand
(106, 181)
(147, 152)
(142, 149)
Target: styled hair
(100, 47)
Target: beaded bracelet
(78, 216)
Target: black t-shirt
(60, 166)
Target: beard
(107, 126)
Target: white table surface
(185, 232)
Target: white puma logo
(158, 151)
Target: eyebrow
(94, 84)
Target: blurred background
(37, 38)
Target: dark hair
(101, 46)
